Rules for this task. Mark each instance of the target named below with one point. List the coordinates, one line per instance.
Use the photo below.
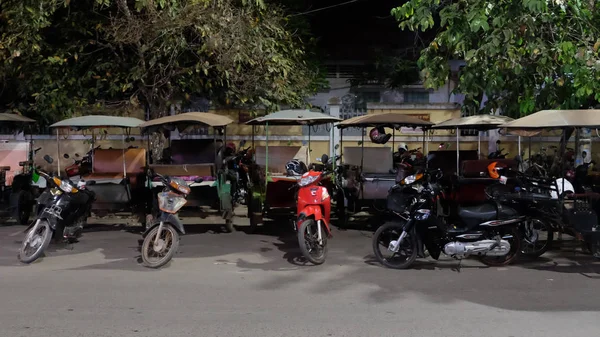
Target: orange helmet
(493, 170)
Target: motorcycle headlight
(304, 181)
(411, 179)
(170, 202)
(64, 185)
(180, 185)
(55, 191)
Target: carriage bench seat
(108, 165)
(198, 170)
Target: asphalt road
(255, 285)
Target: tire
(515, 250)
(380, 237)
(148, 245)
(23, 208)
(541, 249)
(43, 243)
(306, 252)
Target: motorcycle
(62, 208)
(498, 153)
(313, 214)
(162, 236)
(81, 166)
(488, 231)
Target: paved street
(254, 285)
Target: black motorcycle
(488, 231)
(62, 209)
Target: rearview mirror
(66, 156)
(337, 146)
(242, 143)
(324, 159)
(76, 155)
(48, 159)
(198, 180)
(498, 141)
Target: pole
(308, 154)
(457, 154)
(362, 150)
(124, 163)
(58, 151)
(478, 144)
(266, 154)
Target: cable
(324, 8)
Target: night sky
(356, 30)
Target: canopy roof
(98, 121)
(294, 117)
(390, 119)
(187, 119)
(9, 117)
(557, 119)
(479, 122)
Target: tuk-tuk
(274, 195)
(368, 173)
(192, 158)
(118, 173)
(21, 186)
(566, 208)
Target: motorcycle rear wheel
(383, 236)
(537, 247)
(515, 249)
(170, 236)
(309, 227)
(43, 241)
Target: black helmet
(378, 135)
(295, 167)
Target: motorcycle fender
(52, 221)
(173, 219)
(315, 212)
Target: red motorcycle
(314, 211)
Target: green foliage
(59, 56)
(524, 55)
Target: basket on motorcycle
(582, 211)
(399, 199)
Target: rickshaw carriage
(276, 195)
(199, 162)
(576, 210)
(118, 173)
(368, 173)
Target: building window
(416, 96)
(371, 96)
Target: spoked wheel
(308, 238)
(510, 234)
(35, 243)
(387, 252)
(536, 237)
(156, 254)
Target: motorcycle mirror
(584, 154)
(324, 159)
(242, 143)
(76, 155)
(66, 156)
(198, 180)
(48, 159)
(132, 139)
(498, 141)
(337, 146)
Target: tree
(523, 55)
(151, 53)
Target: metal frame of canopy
(290, 117)
(188, 120)
(477, 122)
(95, 122)
(390, 119)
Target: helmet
(402, 147)
(295, 167)
(493, 170)
(378, 135)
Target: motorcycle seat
(474, 215)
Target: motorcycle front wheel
(35, 243)
(156, 255)
(407, 252)
(536, 237)
(314, 252)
